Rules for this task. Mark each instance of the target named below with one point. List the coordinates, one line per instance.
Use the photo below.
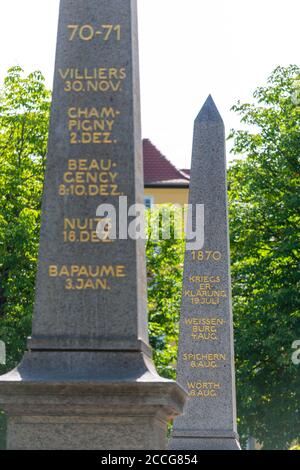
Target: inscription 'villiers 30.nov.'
(93, 80)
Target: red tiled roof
(159, 170)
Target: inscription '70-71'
(88, 32)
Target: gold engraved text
(204, 361)
(204, 329)
(205, 293)
(203, 389)
(78, 277)
(88, 32)
(93, 80)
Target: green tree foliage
(164, 267)
(295, 447)
(265, 222)
(24, 116)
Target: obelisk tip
(209, 112)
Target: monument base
(88, 409)
(190, 441)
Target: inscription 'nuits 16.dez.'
(78, 230)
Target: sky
(188, 50)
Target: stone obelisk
(87, 380)
(206, 359)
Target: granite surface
(87, 380)
(94, 156)
(206, 358)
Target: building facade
(164, 183)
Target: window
(148, 201)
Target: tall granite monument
(205, 358)
(87, 380)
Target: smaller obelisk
(206, 357)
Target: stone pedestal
(198, 441)
(90, 401)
